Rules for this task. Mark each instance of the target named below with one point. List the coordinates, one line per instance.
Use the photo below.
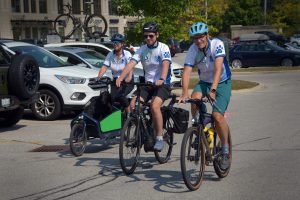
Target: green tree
(285, 15)
(243, 12)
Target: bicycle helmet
(118, 38)
(198, 28)
(150, 27)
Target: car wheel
(48, 106)
(287, 62)
(295, 43)
(11, 117)
(236, 64)
(23, 76)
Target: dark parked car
(172, 47)
(261, 53)
(19, 82)
(279, 39)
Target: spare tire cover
(23, 76)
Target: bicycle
(85, 126)
(138, 131)
(201, 146)
(94, 25)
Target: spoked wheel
(96, 26)
(78, 139)
(192, 159)
(130, 145)
(64, 26)
(222, 173)
(164, 155)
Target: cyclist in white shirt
(209, 56)
(156, 60)
(116, 60)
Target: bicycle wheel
(95, 26)
(130, 145)
(64, 26)
(192, 158)
(164, 155)
(78, 139)
(217, 150)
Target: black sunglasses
(150, 36)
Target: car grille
(96, 86)
(178, 72)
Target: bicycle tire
(64, 21)
(130, 142)
(164, 155)
(192, 143)
(93, 31)
(222, 173)
(78, 137)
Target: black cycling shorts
(162, 92)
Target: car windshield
(275, 46)
(94, 58)
(42, 56)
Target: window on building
(113, 30)
(15, 5)
(43, 6)
(60, 6)
(27, 32)
(112, 8)
(97, 7)
(33, 6)
(86, 7)
(35, 33)
(76, 6)
(17, 32)
(26, 6)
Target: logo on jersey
(219, 49)
(167, 55)
(157, 58)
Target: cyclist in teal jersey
(156, 60)
(116, 60)
(209, 56)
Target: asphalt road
(266, 136)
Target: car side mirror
(82, 65)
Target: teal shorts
(223, 94)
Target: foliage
(243, 12)
(286, 16)
(175, 17)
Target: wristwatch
(213, 91)
(162, 79)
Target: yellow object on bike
(210, 136)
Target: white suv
(176, 72)
(63, 87)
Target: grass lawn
(236, 84)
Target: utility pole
(206, 11)
(265, 12)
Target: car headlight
(71, 79)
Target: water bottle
(209, 136)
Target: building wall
(20, 25)
(238, 30)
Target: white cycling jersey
(151, 59)
(117, 64)
(206, 61)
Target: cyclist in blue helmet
(209, 56)
(156, 60)
(116, 60)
